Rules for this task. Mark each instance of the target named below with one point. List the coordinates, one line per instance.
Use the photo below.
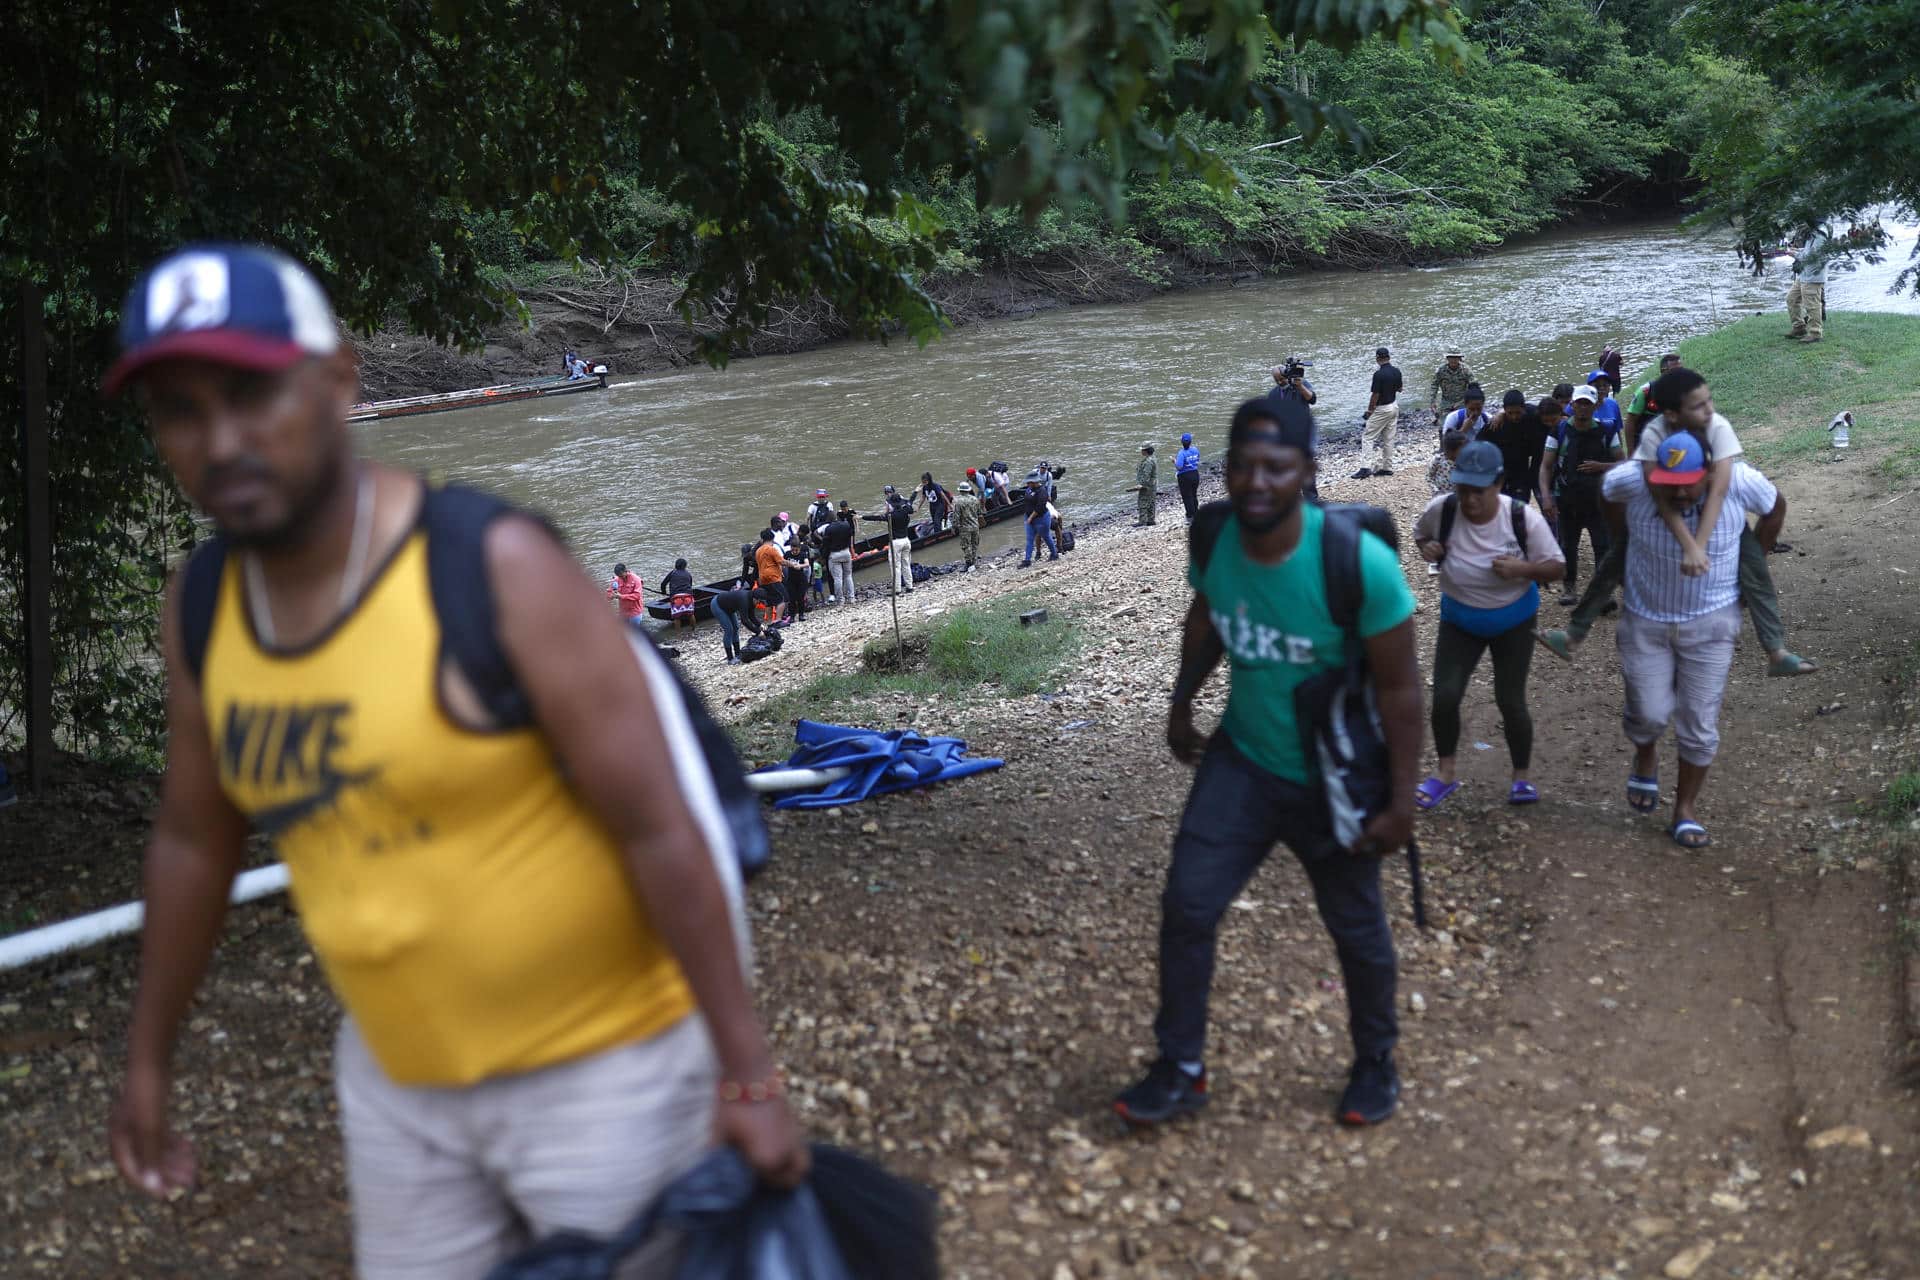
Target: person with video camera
(1290, 382)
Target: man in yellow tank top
(547, 1017)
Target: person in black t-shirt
(1516, 433)
(1383, 411)
(676, 579)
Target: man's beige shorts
(447, 1182)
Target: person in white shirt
(1470, 417)
(1687, 405)
(1807, 296)
(1493, 552)
(1677, 633)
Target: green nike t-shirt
(1278, 631)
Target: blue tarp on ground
(881, 762)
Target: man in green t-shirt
(1261, 602)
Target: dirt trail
(1617, 1053)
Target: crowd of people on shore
(1663, 493)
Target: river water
(692, 463)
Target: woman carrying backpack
(1493, 554)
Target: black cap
(1381, 353)
(1513, 397)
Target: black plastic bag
(851, 1220)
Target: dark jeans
(729, 629)
(1456, 652)
(1757, 591)
(1235, 814)
(1189, 482)
(1576, 518)
(797, 592)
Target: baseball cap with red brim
(235, 304)
(1678, 459)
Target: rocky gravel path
(1621, 1058)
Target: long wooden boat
(865, 552)
(473, 398)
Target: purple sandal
(1523, 793)
(1431, 793)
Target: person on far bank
(1470, 419)
(1677, 633)
(1686, 404)
(1807, 295)
(627, 589)
(520, 902)
(1450, 383)
(1383, 411)
(966, 524)
(1489, 596)
(1639, 410)
(1146, 478)
(1039, 520)
(1571, 465)
(1186, 474)
(1261, 602)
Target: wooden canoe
(505, 393)
(866, 551)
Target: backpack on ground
(1336, 711)
(1516, 511)
(456, 520)
(1066, 540)
(764, 645)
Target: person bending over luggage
(733, 610)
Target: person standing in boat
(938, 500)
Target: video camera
(1296, 367)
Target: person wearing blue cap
(1186, 474)
(1493, 551)
(546, 1011)
(1607, 412)
(1677, 631)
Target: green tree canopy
(377, 139)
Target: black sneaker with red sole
(1167, 1091)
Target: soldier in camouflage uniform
(1450, 382)
(1144, 477)
(966, 522)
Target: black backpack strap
(199, 591)
(1518, 511)
(1448, 511)
(1340, 561)
(1205, 532)
(456, 520)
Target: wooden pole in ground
(38, 514)
(893, 595)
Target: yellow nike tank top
(471, 913)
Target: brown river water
(692, 463)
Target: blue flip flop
(1432, 793)
(1643, 794)
(1523, 793)
(1684, 831)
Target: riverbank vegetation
(1781, 395)
(981, 651)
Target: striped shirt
(1656, 589)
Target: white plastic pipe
(99, 926)
(85, 931)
